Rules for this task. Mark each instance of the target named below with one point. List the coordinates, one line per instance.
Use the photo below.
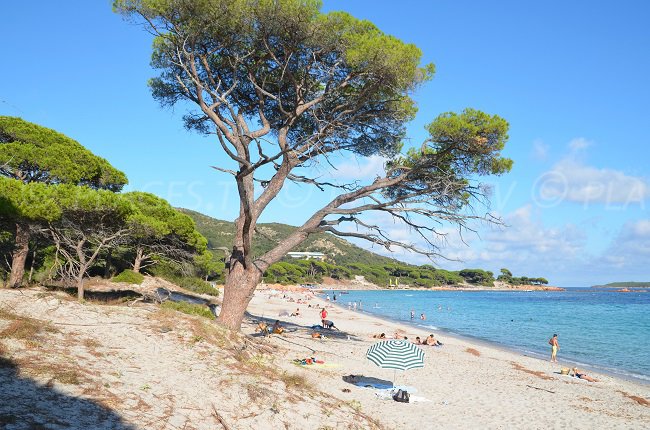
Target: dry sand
(95, 366)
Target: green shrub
(130, 277)
(195, 284)
(188, 308)
(167, 272)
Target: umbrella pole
(394, 376)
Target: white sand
(493, 390)
(152, 371)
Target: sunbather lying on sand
(379, 336)
(432, 341)
(277, 328)
(578, 374)
(263, 328)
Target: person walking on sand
(554, 348)
(323, 316)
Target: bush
(130, 277)
(169, 273)
(188, 308)
(195, 284)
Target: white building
(307, 255)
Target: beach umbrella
(396, 354)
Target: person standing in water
(554, 348)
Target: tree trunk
(238, 292)
(107, 264)
(80, 286)
(31, 267)
(137, 264)
(19, 256)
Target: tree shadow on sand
(305, 330)
(108, 297)
(29, 405)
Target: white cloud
(631, 248)
(528, 247)
(639, 230)
(579, 143)
(363, 168)
(540, 150)
(571, 180)
(527, 237)
(524, 243)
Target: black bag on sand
(401, 396)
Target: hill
(345, 260)
(220, 234)
(624, 285)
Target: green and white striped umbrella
(396, 354)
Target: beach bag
(401, 396)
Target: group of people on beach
(428, 341)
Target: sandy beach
(141, 367)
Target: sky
(571, 78)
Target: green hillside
(345, 260)
(624, 285)
(220, 234)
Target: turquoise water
(604, 330)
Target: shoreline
(470, 381)
(595, 368)
(445, 288)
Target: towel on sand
(387, 394)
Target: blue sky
(570, 77)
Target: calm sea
(604, 330)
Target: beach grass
(188, 308)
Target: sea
(598, 329)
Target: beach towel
(319, 365)
(385, 387)
(307, 361)
(387, 394)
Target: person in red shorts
(323, 316)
